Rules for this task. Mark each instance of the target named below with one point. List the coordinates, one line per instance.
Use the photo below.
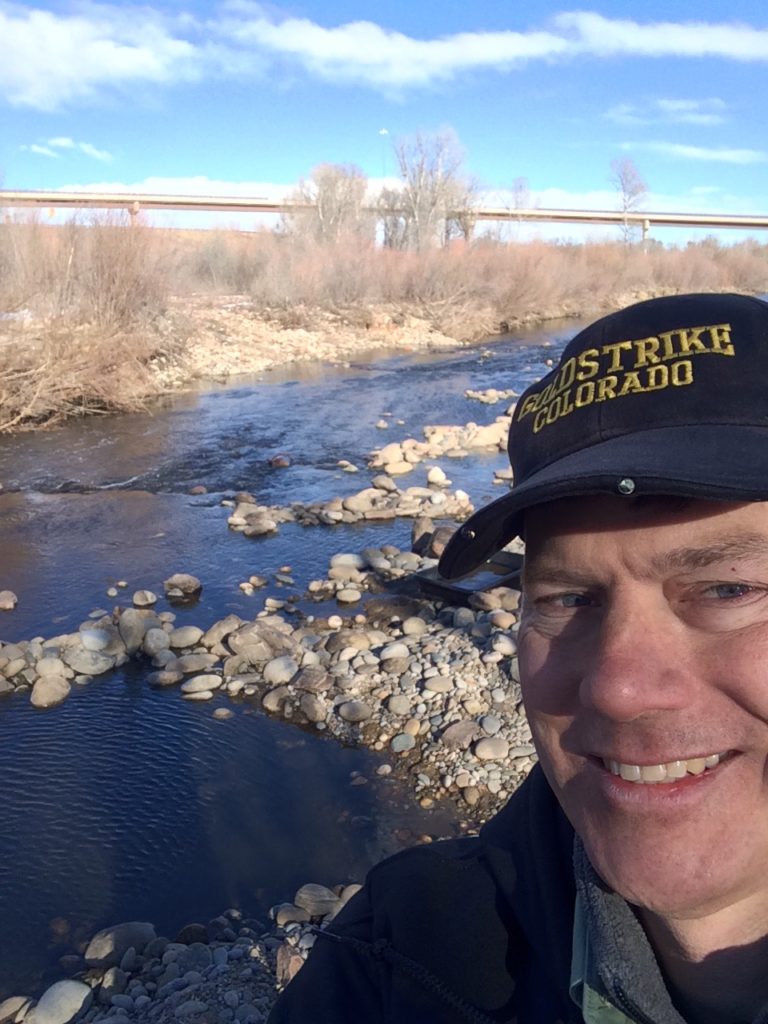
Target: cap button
(468, 533)
(626, 485)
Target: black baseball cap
(665, 397)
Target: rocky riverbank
(231, 337)
(227, 971)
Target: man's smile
(670, 771)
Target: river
(125, 802)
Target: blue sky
(207, 97)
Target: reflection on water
(127, 803)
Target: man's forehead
(661, 525)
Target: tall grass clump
(83, 307)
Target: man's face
(644, 642)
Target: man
(627, 879)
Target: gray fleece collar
(622, 963)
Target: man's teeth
(669, 772)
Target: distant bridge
(135, 203)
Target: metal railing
(134, 203)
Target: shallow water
(130, 803)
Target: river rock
(95, 639)
(107, 947)
(317, 900)
(362, 501)
(394, 650)
(313, 679)
(113, 984)
(182, 585)
(61, 1003)
(490, 724)
(461, 735)
(50, 666)
(273, 700)
(164, 677)
(185, 636)
(399, 704)
(313, 707)
(439, 684)
(414, 626)
(401, 743)
(8, 600)
(144, 598)
(280, 670)
(437, 477)
(155, 640)
(355, 711)
(88, 663)
(220, 630)
(190, 663)
(348, 595)
(346, 558)
(259, 525)
(201, 684)
(49, 691)
(14, 1008)
(491, 748)
(132, 627)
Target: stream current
(127, 803)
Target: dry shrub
(88, 298)
(105, 271)
(50, 376)
(97, 290)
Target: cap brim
(676, 461)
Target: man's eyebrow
(543, 571)
(746, 545)
(547, 570)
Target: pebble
(144, 598)
(491, 748)
(185, 636)
(355, 711)
(402, 743)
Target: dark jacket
(467, 930)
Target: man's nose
(639, 663)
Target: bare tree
(435, 201)
(336, 194)
(631, 189)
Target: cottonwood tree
(435, 200)
(334, 195)
(632, 190)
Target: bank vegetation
(95, 311)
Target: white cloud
(712, 154)
(364, 51)
(92, 151)
(708, 111)
(53, 147)
(49, 58)
(41, 150)
(679, 111)
(599, 36)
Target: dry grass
(88, 300)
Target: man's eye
(729, 591)
(566, 600)
(575, 600)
